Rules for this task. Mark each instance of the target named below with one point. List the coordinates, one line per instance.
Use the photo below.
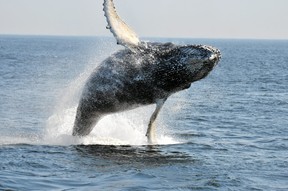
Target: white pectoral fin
(121, 31)
(151, 131)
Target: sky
(256, 19)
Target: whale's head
(199, 60)
(182, 65)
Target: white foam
(19, 139)
(126, 128)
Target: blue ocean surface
(228, 131)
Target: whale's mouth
(215, 58)
(215, 54)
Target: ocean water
(227, 132)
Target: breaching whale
(142, 73)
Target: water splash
(126, 128)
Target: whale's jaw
(201, 60)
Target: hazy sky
(149, 18)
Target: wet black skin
(129, 79)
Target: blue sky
(260, 19)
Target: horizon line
(145, 37)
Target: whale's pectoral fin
(151, 131)
(121, 31)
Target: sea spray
(125, 128)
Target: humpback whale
(142, 73)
